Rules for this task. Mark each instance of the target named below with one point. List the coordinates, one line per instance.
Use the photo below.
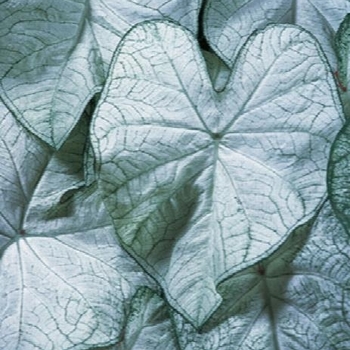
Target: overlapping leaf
(54, 56)
(342, 47)
(203, 184)
(49, 65)
(65, 281)
(296, 299)
(111, 19)
(148, 325)
(227, 24)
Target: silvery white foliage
(148, 325)
(338, 176)
(227, 24)
(296, 299)
(23, 158)
(112, 19)
(342, 48)
(322, 18)
(65, 281)
(50, 66)
(202, 184)
(54, 56)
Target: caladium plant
(157, 195)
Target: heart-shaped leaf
(202, 184)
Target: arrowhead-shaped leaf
(49, 65)
(65, 281)
(202, 184)
(297, 299)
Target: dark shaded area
(203, 43)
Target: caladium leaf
(342, 47)
(298, 298)
(111, 19)
(148, 325)
(202, 184)
(227, 24)
(54, 56)
(65, 280)
(322, 19)
(50, 66)
(23, 159)
(338, 176)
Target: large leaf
(54, 56)
(297, 299)
(65, 281)
(202, 184)
(227, 24)
(111, 19)
(49, 65)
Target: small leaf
(148, 325)
(201, 184)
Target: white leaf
(297, 299)
(148, 325)
(202, 184)
(65, 281)
(49, 65)
(111, 19)
(227, 24)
